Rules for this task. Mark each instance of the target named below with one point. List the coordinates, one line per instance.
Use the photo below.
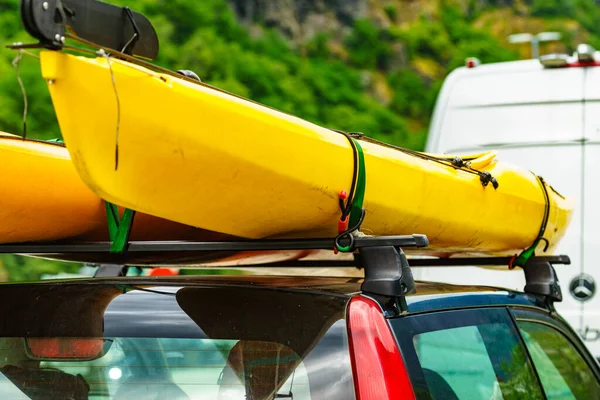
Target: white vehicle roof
(509, 103)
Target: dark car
(285, 337)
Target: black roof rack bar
(239, 245)
(483, 261)
(387, 270)
(414, 262)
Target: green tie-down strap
(356, 212)
(525, 255)
(119, 228)
(361, 183)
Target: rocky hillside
(404, 48)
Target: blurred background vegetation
(374, 66)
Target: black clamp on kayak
(105, 25)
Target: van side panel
(524, 105)
(590, 329)
(533, 117)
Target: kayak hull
(44, 199)
(202, 157)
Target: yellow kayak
(43, 199)
(193, 154)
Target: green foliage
(19, 268)
(391, 11)
(317, 47)
(412, 96)
(368, 48)
(586, 12)
(553, 8)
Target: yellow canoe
(44, 199)
(196, 155)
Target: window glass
(563, 372)
(466, 355)
(164, 368)
(217, 343)
(458, 356)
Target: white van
(543, 115)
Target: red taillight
(378, 368)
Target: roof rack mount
(540, 276)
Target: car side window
(466, 355)
(458, 357)
(563, 372)
(476, 362)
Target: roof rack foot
(542, 280)
(387, 272)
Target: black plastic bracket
(541, 279)
(387, 272)
(103, 24)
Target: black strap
(522, 259)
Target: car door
(565, 368)
(467, 354)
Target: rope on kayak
(522, 259)
(351, 204)
(454, 162)
(102, 53)
(15, 64)
(119, 228)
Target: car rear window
(190, 343)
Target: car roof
(429, 296)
